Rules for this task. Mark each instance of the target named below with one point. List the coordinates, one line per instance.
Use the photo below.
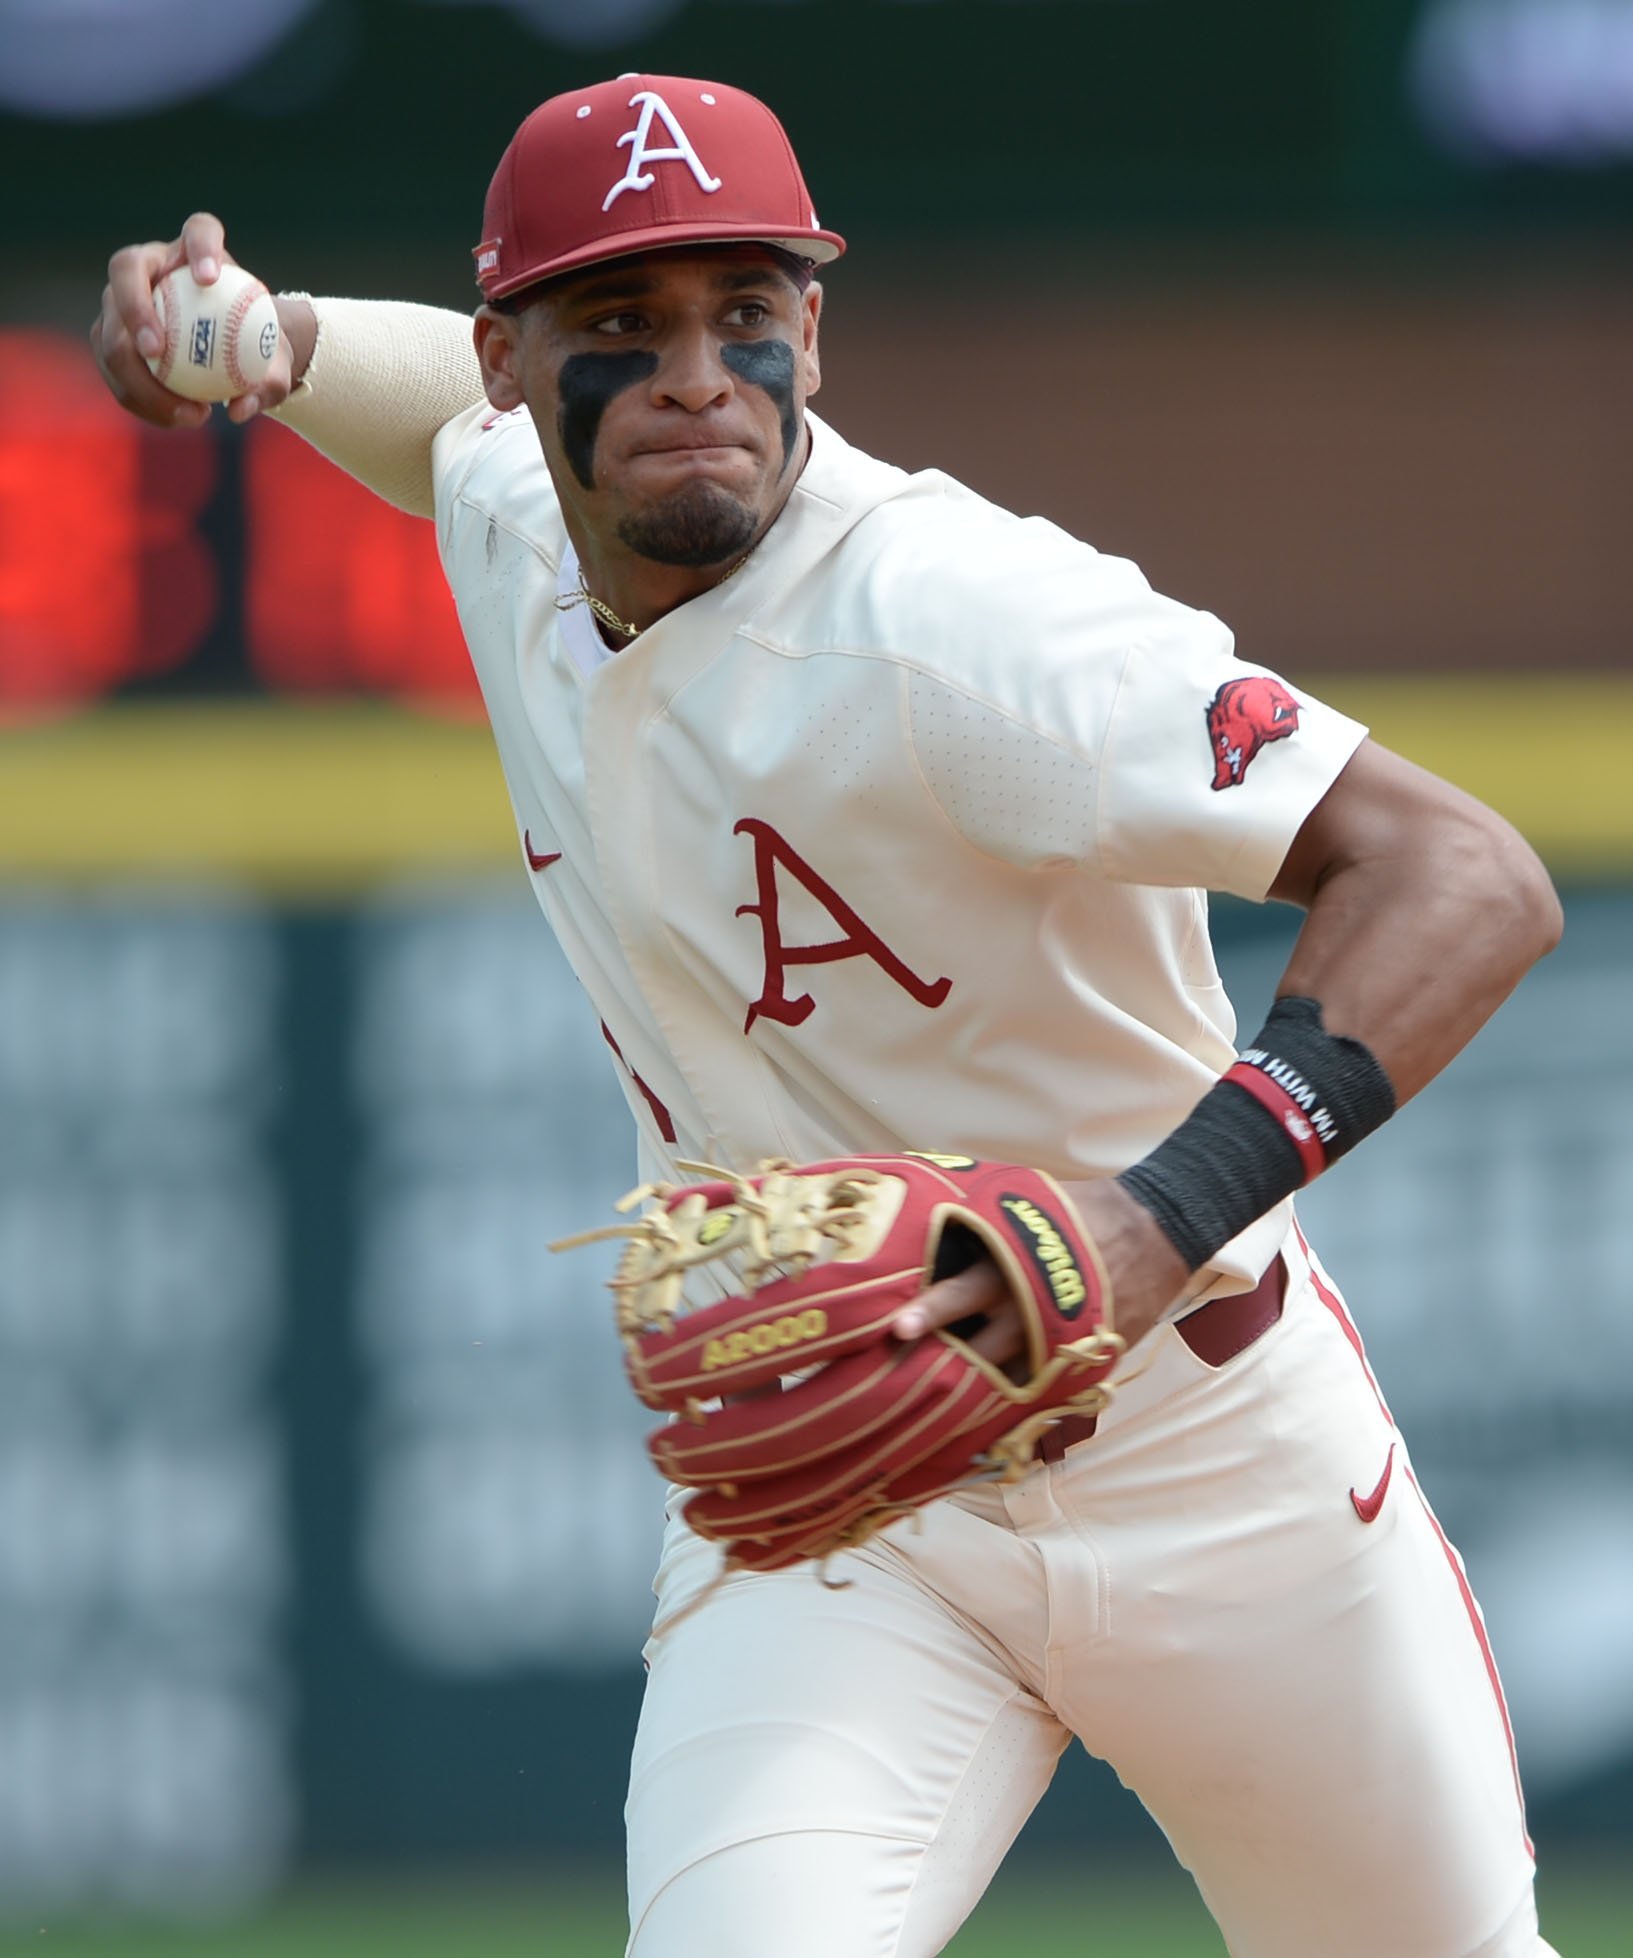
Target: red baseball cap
(636, 163)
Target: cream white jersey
(899, 837)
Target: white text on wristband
(1304, 1118)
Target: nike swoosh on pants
(1367, 1507)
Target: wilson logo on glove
(824, 1256)
(1049, 1252)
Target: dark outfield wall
(1197, 281)
(382, 118)
(1397, 463)
(325, 1528)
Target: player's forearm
(378, 378)
(1424, 912)
(1421, 927)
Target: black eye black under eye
(768, 364)
(587, 383)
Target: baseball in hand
(219, 340)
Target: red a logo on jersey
(860, 941)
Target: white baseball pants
(1303, 1699)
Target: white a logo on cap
(637, 176)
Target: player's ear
(811, 318)
(498, 341)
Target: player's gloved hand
(1145, 1272)
(828, 1256)
(127, 329)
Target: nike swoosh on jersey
(536, 859)
(1367, 1507)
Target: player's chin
(699, 523)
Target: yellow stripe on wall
(1554, 754)
(301, 801)
(318, 801)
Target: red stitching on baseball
(172, 329)
(235, 319)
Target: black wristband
(1298, 1099)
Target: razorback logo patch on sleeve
(1242, 716)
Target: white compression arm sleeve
(384, 376)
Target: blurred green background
(1320, 309)
(1093, 1905)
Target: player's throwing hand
(127, 333)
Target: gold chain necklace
(605, 613)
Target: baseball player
(874, 818)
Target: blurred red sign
(103, 576)
(221, 561)
(342, 589)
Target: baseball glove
(821, 1258)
